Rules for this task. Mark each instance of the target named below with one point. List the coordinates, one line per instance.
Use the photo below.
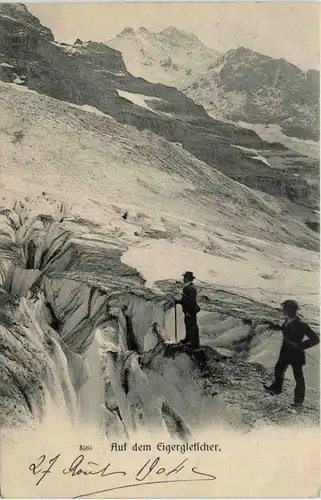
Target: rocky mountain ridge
(169, 56)
(240, 85)
(93, 74)
(248, 86)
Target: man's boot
(271, 389)
(297, 405)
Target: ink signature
(153, 471)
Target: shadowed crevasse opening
(75, 313)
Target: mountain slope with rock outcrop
(243, 85)
(240, 85)
(93, 74)
(117, 162)
(170, 56)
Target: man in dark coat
(292, 351)
(190, 310)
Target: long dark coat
(293, 346)
(189, 300)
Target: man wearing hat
(292, 351)
(190, 310)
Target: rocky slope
(113, 162)
(170, 56)
(248, 86)
(93, 74)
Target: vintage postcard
(159, 250)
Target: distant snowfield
(92, 109)
(273, 133)
(140, 100)
(256, 153)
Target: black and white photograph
(159, 250)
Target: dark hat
(189, 275)
(290, 303)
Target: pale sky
(288, 29)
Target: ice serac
(90, 341)
(53, 69)
(35, 377)
(64, 315)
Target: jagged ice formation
(80, 333)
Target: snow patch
(6, 65)
(71, 49)
(18, 81)
(91, 109)
(273, 133)
(22, 88)
(261, 158)
(120, 73)
(16, 84)
(250, 150)
(140, 100)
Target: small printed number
(83, 447)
